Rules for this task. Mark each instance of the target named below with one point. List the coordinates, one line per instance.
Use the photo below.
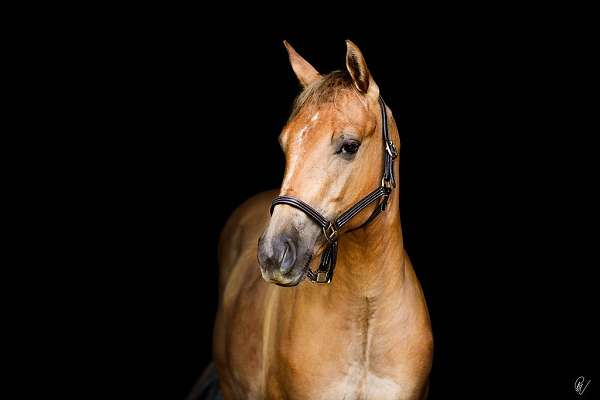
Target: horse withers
(284, 331)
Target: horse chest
(340, 369)
(359, 383)
(352, 382)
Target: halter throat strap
(331, 229)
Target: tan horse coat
(367, 335)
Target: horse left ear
(357, 67)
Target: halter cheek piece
(331, 229)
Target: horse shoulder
(241, 295)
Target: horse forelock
(324, 90)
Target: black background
(495, 172)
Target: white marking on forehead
(302, 131)
(307, 127)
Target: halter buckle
(387, 185)
(330, 232)
(390, 147)
(322, 277)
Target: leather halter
(331, 229)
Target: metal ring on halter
(322, 277)
(330, 232)
(391, 149)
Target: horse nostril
(277, 253)
(286, 248)
(288, 256)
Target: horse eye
(350, 147)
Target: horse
(283, 331)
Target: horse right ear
(305, 72)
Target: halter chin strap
(324, 273)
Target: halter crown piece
(324, 273)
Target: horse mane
(322, 91)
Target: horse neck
(372, 258)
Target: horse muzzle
(280, 259)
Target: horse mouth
(300, 278)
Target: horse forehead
(327, 118)
(354, 113)
(347, 111)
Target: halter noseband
(331, 229)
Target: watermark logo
(581, 384)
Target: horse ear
(357, 67)
(305, 72)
